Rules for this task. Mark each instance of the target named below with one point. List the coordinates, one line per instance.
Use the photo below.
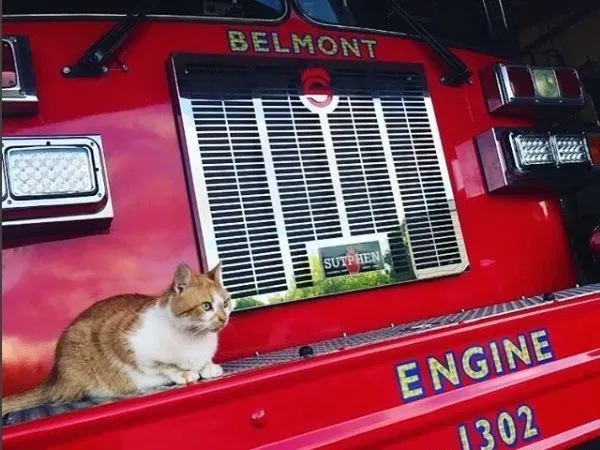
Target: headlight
(39, 172)
(50, 182)
(533, 149)
(571, 149)
(521, 160)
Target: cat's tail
(29, 399)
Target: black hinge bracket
(95, 60)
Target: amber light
(9, 67)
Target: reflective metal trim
(22, 97)
(274, 191)
(270, 174)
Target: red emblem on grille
(316, 87)
(352, 261)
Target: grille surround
(378, 151)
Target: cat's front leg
(176, 374)
(211, 370)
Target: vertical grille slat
(272, 174)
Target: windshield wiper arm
(460, 73)
(93, 62)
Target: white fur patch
(158, 339)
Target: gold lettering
(260, 42)
(541, 345)
(521, 352)
(496, 357)
(370, 43)
(237, 41)
(410, 383)
(350, 47)
(450, 372)
(481, 369)
(332, 50)
(305, 41)
(277, 44)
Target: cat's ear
(183, 278)
(215, 273)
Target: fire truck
(405, 206)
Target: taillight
(511, 88)
(568, 83)
(514, 158)
(521, 83)
(19, 94)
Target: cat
(128, 343)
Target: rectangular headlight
(38, 172)
(571, 149)
(523, 160)
(53, 181)
(532, 149)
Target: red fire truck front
(407, 224)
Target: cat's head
(200, 302)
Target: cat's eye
(206, 306)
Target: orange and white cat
(128, 343)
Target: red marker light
(520, 81)
(568, 83)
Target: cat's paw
(211, 370)
(184, 377)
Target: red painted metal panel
(351, 399)
(516, 245)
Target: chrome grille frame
(311, 166)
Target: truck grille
(270, 175)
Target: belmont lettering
(474, 363)
(343, 261)
(300, 44)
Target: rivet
(104, 69)
(258, 418)
(392, 325)
(66, 70)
